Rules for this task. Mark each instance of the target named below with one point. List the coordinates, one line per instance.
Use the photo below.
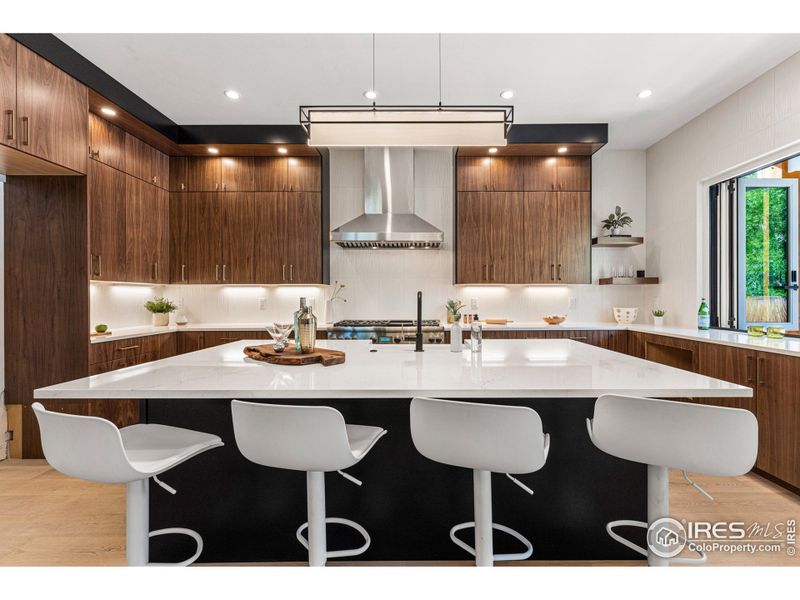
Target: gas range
(387, 331)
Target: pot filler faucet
(418, 347)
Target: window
(754, 248)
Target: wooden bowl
(554, 319)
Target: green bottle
(703, 316)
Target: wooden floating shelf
(617, 242)
(627, 280)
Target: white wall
(757, 124)
(383, 283)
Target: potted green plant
(658, 317)
(616, 221)
(160, 309)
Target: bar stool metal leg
(484, 549)
(317, 540)
(657, 505)
(137, 523)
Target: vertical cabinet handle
(183, 186)
(154, 271)
(183, 272)
(283, 273)
(485, 269)
(224, 272)
(552, 272)
(493, 273)
(291, 272)
(749, 369)
(10, 124)
(25, 131)
(761, 369)
(99, 265)
(216, 272)
(558, 271)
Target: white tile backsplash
(383, 283)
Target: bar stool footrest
(183, 531)
(339, 553)
(515, 534)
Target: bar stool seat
(663, 435)
(94, 449)
(314, 439)
(486, 438)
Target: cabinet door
(8, 90)
(107, 238)
(160, 221)
(507, 173)
(178, 173)
(540, 174)
(106, 142)
(204, 174)
(270, 237)
(160, 169)
(139, 158)
(303, 248)
(574, 237)
(503, 223)
(729, 364)
(178, 237)
(238, 236)
(471, 246)
(574, 173)
(474, 174)
(270, 173)
(53, 111)
(540, 225)
(204, 239)
(303, 174)
(237, 174)
(145, 217)
(778, 415)
(190, 341)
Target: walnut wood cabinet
(107, 231)
(45, 111)
(145, 162)
(246, 174)
(538, 236)
(106, 142)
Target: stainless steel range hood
(388, 220)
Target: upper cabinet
(523, 219)
(8, 90)
(45, 111)
(145, 162)
(243, 174)
(490, 174)
(106, 142)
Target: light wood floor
(49, 519)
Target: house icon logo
(666, 537)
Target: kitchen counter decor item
(292, 357)
(454, 310)
(306, 329)
(330, 303)
(776, 333)
(756, 331)
(658, 317)
(625, 316)
(554, 319)
(280, 334)
(498, 321)
(160, 309)
(616, 221)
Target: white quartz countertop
(790, 346)
(558, 368)
(124, 333)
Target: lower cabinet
(608, 339)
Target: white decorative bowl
(625, 316)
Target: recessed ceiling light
(282, 150)
(644, 94)
(507, 94)
(214, 150)
(492, 150)
(370, 94)
(108, 111)
(562, 149)
(232, 94)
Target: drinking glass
(280, 334)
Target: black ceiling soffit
(68, 60)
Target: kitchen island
(249, 513)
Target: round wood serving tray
(293, 357)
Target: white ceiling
(558, 78)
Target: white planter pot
(160, 319)
(658, 322)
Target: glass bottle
(703, 315)
(476, 336)
(296, 325)
(307, 325)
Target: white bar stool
(664, 434)
(94, 449)
(314, 439)
(486, 438)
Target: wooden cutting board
(293, 357)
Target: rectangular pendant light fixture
(407, 125)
